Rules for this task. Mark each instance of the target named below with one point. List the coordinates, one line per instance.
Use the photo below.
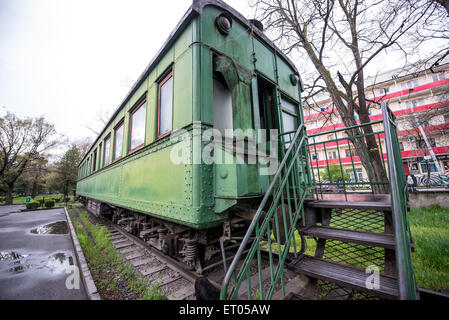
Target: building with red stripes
(420, 101)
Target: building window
(384, 91)
(414, 103)
(432, 142)
(432, 167)
(409, 85)
(421, 144)
(332, 155)
(137, 126)
(401, 146)
(425, 123)
(446, 165)
(414, 168)
(439, 76)
(446, 117)
(315, 157)
(118, 141)
(107, 149)
(349, 154)
(165, 106)
(356, 175)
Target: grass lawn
(430, 230)
(114, 277)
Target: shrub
(335, 173)
(33, 205)
(50, 203)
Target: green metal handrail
(289, 186)
(321, 144)
(399, 197)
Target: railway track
(176, 282)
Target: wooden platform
(366, 205)
(354, 197)
(345, 276)
(382, 240)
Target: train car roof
(195, 10)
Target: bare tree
(101, 120)
(83, 145)
(341, 38)
(444, 3)
(22, 141)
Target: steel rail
(171, 263)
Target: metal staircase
(336, 237)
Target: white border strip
(89, 285)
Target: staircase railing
(334, 161)
(272, 230)
(399, 198)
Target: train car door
(269, 119)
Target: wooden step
(345, 276)
(382, 240)
(367, 205)
(182, 294)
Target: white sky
(70, 59)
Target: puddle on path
(59, 227)
(11, 256)
(56, 263)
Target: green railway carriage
(216, 70)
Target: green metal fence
(333, 152)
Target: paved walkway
(35, 251)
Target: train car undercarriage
(198, 250)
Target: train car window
(118, 141)
(137, 127)
(289, 122)
(222, 107)
(289, 116)
(100, 149)
(88, 166)
(289, 106)
(94, 164)
(165, 105)
(107, 149)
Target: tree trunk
(374, 161)
(368, 153)
(8, 199)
